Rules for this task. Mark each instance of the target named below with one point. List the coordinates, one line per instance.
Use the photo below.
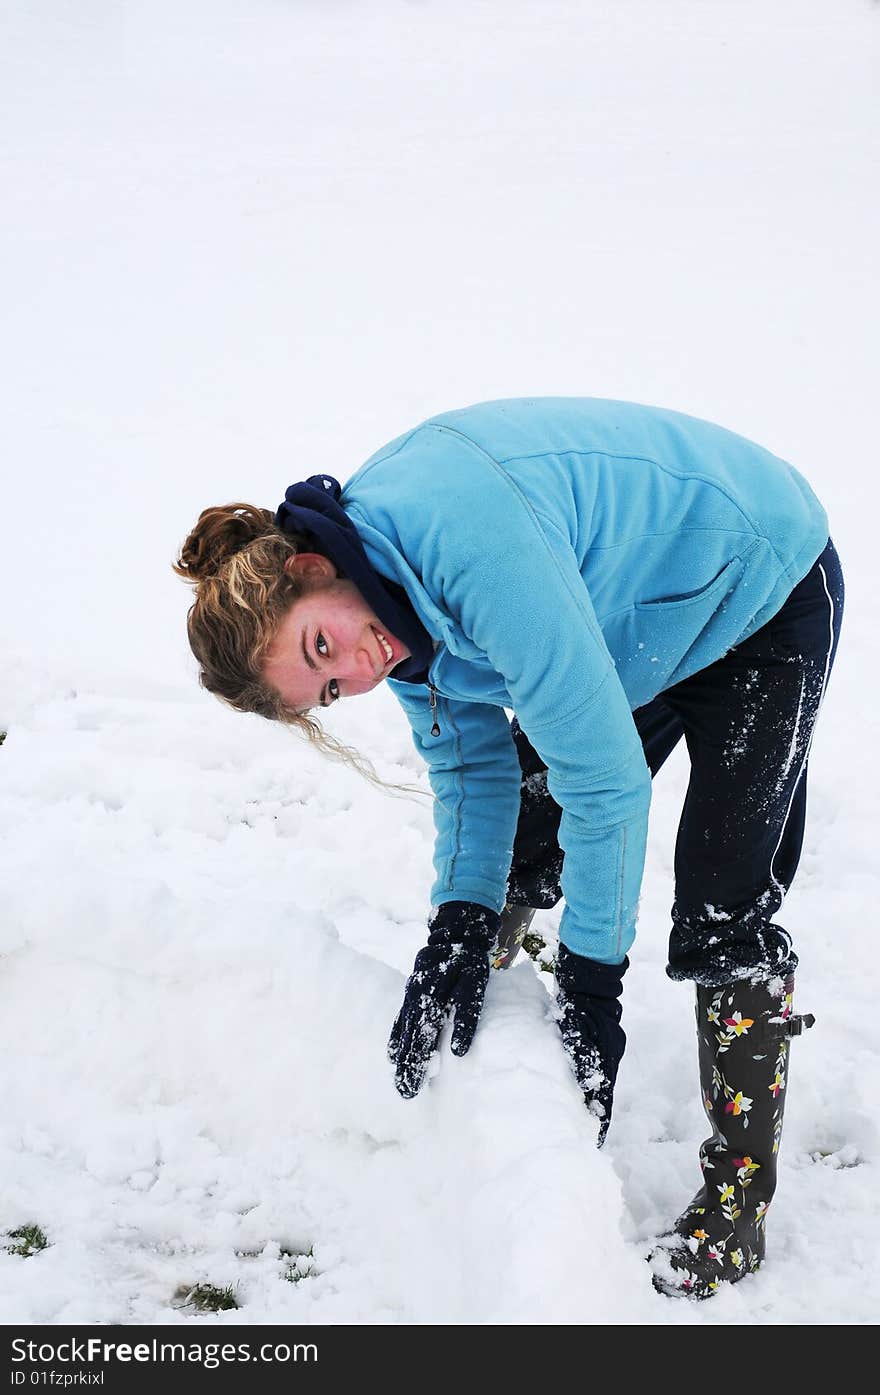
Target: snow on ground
(250, 241)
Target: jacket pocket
(657, 643)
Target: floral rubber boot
(744, 1031)
(512, 930)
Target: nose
(357, 671)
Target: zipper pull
(432, 694)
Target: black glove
(588, 1001)
(449, 975)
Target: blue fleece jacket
(571, 558)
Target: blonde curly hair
(235, 558)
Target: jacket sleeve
(475, 777)
(510, 580)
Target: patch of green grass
(535, 947)
(31, 1239)
(206, 1298)
(299, 1266)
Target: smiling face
(330, 645)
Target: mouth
(386, 653)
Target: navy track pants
(748, 723)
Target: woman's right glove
(589, 1010)
(449, 976)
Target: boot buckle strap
(793, 1027)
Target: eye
(332, 688)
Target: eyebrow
(312, 665)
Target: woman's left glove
(589, 1011)
(449, 976)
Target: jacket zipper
(432, 694)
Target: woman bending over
(620, 577)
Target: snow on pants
(748, 722)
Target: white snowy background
(247, 240)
